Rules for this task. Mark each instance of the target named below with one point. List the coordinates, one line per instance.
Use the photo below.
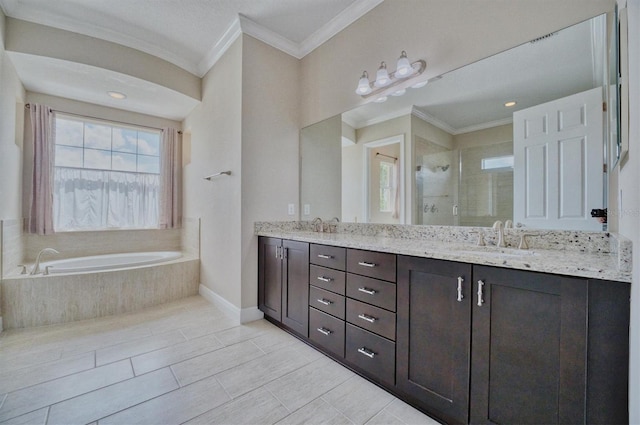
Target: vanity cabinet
(434, 335)
(488, 345)
(283, 282)
(465, 343)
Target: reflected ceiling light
(405, 72)
(420, 84)
(381, 99)
(510, 103)
(117, 95)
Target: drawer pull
(323, 301)
(325, 279)
(367, 318)
(324, 331)
(366, 352)
(326, 257)
(365, 264)
(367, 291)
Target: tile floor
(183, 362)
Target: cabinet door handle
(367, 318)
(323, 301)
(365, 264)
(277, 252)
(366, 352)
(326, 257)
(284, 253)
(324, 279)
(324, 331)
(460, 296)
(480, 300)
(367, 291)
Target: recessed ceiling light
(510, 104)
(117, 95)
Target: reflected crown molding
(455, 131)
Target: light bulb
(382, 76)
(403, 68)
(363, 84)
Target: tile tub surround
(12, 244)
(44, 300)
(597, 255)
(182, 362)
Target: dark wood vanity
(464, 343)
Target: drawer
(328, 256)
(326, 331)
(378, 265)
(372, 353)
(329, 279)
(372, 318)
(372, 291)
(327, 301)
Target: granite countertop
(595, 265)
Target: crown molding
(348, 16)
(484, 125)
(269, 37)
(222, 45)
(433, 121)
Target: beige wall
(12, 97)
(214, 128)
(270, 149)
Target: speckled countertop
(597, 262)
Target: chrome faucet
(317, 224)
(499, 227)
(332, 225)
(36, 266)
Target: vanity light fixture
(510, 104)
(117, 95)
(404, 73)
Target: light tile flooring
(183, 362)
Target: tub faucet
(499, 227)
(36, 266)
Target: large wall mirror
(520, 136)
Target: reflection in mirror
(463, 163)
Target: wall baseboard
(244, 315)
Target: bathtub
(108, 262)
(90, 287)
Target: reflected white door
(558, 163)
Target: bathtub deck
(180, 362)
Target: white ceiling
(191, 34)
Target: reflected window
(497, 162)
(386, 186)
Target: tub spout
(36, 266)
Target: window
(106, 176)
(386, 186)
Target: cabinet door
(270, 277)
(529, 348)
(434, 322)
(295, 286)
